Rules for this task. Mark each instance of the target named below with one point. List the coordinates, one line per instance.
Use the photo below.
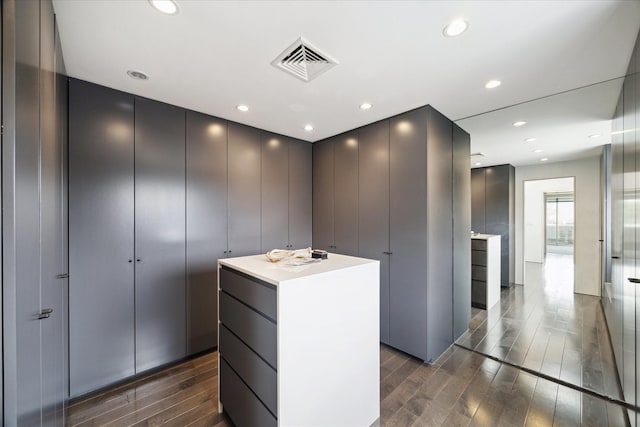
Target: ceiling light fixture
(519, 123)
(242, 108)
(168, 7)
(595, 135)
(544, 159)
(138, 75)
(530, 140)
(537, 150)
(365, 106)
(478, 164)
(455, 28)
(308, 128)
(492, 84)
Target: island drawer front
(479, 293)
(479, 273)
(255, 294)
(242, 406)
(260, 377)
(255, 330)
(478, 245)
(479, 258)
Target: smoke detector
(303, 61)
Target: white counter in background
(485, 270)
(324, 366)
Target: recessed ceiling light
(365, 106)
(530, 139)
(595, 135)
(308, 128)
(544, 159)
(491, 84)
(455, 28)
(537, 150)
(478, 164)
(138, 75)
(168, 7)
(519, 123)
(242, 108)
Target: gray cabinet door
(440, 234)
(461, 232)
(275, 192)
(408, 232)
(159, 233)
(101, 215)
(345, 209)
(477, 200)
(25, 218)
(497, 203)
(323, 195)
(373, 208)
(206, 225)
(300, 194)
(244, 190)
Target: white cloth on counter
(291, 257)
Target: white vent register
(303, 61)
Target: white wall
(534, 214)
(587, 222)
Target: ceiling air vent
(303, 61)
(478, 154)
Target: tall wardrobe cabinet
(400, 172)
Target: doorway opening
(549, 235)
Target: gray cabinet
(461, 227)
(493, 211)
(335, 194)
(101, 236)
(410, 177)
(373, 208)
(275, 192)
(34, 247)
(159, 233)
(323, 197)
(244, 190)
(206, 210)
(300, 194)
(286, 196)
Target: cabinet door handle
(387, 253)
(45, 313)
(62, 276)
(615, 257)
(138, 259)
(634, 280)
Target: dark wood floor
(554, 331)
(546, 328)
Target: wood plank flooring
(462, 388)
(546, 328)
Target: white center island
(299, 345)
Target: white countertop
(484, 236)
(275, 273)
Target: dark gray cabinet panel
(159, 234)
(323, 197)
(461, 230)
(345, 184)
(477, 200)
(440, 234)
(101, 236)
(26, 214)
(242, 406)
(257, 295)
(373, 208)
(408, 228)
(275, 192)
(300, 194)
(244, 190)
(206, 211)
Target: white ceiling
(212, 56)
